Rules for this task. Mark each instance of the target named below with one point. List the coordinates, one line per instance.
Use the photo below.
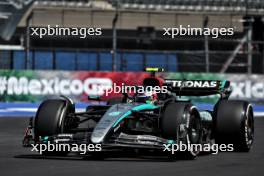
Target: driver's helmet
(149, 97)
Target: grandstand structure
(218, 6)
(139, 38)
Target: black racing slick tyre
(234, 124)
(50, 117)
(49, 120)
(181, 123)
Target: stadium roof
(194, 5)
(234, 6)
(11, 12)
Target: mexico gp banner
(34, 86)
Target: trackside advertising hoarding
(34, 86)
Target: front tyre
(181, 122)
(50, 120)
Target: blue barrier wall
(93, 60)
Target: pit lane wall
(35, 86)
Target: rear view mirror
(94, 97)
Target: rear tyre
(234, 124)
(50, 120)
(181, 122)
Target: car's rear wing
(198, 87)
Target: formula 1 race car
(147, 122)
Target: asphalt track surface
(18, 161)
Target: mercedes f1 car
(134, 122)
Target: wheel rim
(195, 129)
(194, 133)
(249, 130)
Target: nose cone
(97, 137)
(106, 123)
